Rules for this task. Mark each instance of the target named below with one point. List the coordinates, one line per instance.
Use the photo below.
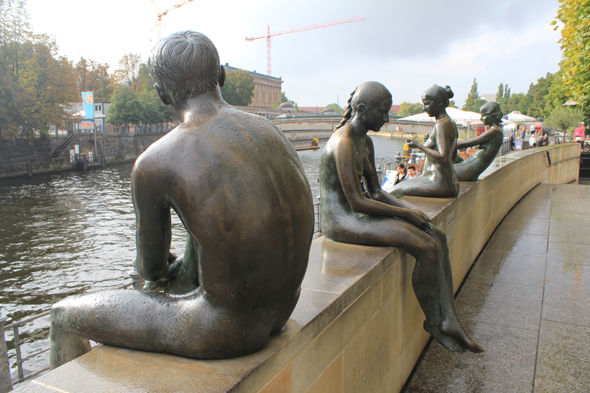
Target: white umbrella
(458, 115)
(516, 116)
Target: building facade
(267, 89)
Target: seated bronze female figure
(489, 144)
(438, 177)
(380, 219)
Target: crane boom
(158, 26)
(296, 30)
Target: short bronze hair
(185, 64)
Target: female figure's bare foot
(453, 337)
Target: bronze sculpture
(381, 220)
(438, 177)
(239, 188)
(489, 144)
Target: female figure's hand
(412, 144)
(418, 219)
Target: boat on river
(314, 145)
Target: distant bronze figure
(381, 220)
(239, 188)
(438, 176)
(489, 144)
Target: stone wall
(14, 155)
(358, 325)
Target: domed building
(287, 106)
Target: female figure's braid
(348, 112)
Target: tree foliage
(238, 88)
(574, 76)
(128, 71)
(473, 102)
(337, 108)
(36, 85)
(285, 99)
(565, 119)
(129, 107)
(95, 77)
(407, 108)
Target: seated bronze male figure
(381, 220)
(239, 189)
(489, 143)
(438, 178)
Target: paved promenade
(527, 302)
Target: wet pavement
(527, 302)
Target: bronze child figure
(438, 178)
(489, 144)
(239, 189)
(382, 220)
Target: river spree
(74, 232)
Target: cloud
(407, 45)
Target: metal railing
(17, 342)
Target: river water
(74, 232)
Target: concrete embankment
(358, 326)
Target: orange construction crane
(310, 27)
(158, 26)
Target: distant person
(580, 134)
(412, 172)
(400, 175)
(532, 141)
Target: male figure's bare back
(239, 188)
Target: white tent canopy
(458, 115)
(516, 116)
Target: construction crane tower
(297, 30)
(158, 25)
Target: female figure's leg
(432, 278)
(424, 187)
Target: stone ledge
(357, 325)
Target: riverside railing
(17, 342)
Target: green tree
(285, 99)
(337, 108)
(37, 85)
(407, 108)
(565, 119)
(558, 93)
(144, 80)
(473, 102)
(238, 88)
(95, 77)
(153, 109)
(125, 107)
(128, 71)
(574, 75)
(500, 92)
(452, 104)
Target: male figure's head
(183, 65)
(412, 171)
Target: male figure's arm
(153, 232)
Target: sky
(408, 45)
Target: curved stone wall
(357, 326)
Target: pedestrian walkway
(527, 302)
